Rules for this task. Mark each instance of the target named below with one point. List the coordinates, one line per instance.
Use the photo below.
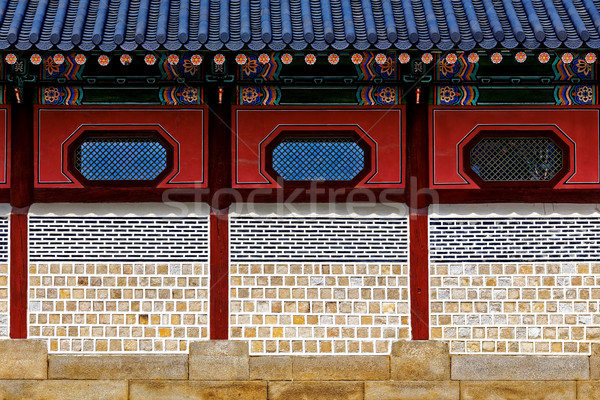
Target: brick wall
(118, 279)
(515, 279)
(319, 281)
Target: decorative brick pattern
(501, 239)
(4, 226)
(318, 239)
(4, 316)
(315, 308)
(4, 277)
(513, 308)
(118, 307)
(117, 239)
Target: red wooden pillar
(219, 275)
(219, 97)
(419, 276)
(419, 200)
(21, 197)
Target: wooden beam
(21, 197)
(219, 99)
(417, 131)
(18, 276)
(219, 276)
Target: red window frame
(319, 134)
(505, 134)
(71, 150)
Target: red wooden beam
(18, 275)
(417, 130)
(219, 276)
(21, 197)
(419, 276)
(219, 100)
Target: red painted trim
(18, 275)
(517, 195)
(116, 194)
(419, 276)
(219, 276)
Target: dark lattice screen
(318, 159)
(120, 159)
(516, 159)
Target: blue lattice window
(318, 158)
(123, 159)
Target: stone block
(271, 368)
(184, 390)
(219, 360)
(23, 359)
(589, 390)
(515, 390)
(63, 390)
(340, 368)
(118, 367)
(594, 367)
(229, 348)
(407, 390)
(519, 368)
(420, 360)
(308, 390)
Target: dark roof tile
(297, 24)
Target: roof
(109, 25)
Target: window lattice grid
(121, 159)
(318, 159)
(536, 159)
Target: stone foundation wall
(416, 370)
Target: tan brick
(518, 390)
(595, 349)
(63, 390)
(219, 360)
(23, 359)
(416, 360)
(316, 390)
(423, 390)
(342, 368)
(118, 367)
(519, 368)
(594, 365)
(589, 390)
(270, 368)
(183, 390)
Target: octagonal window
(307, 159)
(517, 157)
(114, 158)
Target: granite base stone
(224, 370)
